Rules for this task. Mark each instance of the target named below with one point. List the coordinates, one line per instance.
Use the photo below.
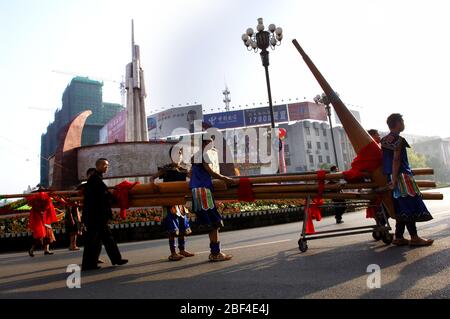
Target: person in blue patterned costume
(203, 202)
(408, 204)
(176, 219)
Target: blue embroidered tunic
(408, 203)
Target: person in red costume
(375, 135)
(375, 209)
(42, 215)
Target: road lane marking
(250, 246)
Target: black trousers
(400, 229)
(339, 209)
(94, 238)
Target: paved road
(266, 264)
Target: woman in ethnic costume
(72, 222)
(408, 203)
(176, 219)
(42, 215)
(203, 202)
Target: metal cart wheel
(302, 245)
(387, 238)
(377, 235)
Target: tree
(325, 166)
(416, 160)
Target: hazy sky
(384, 56)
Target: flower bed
(19, 224)
(138, 215)
(232, 207)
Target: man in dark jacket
(97, 212)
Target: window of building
(320, 159)
(324, 132)
(311, 159)
(328, 160)
(326, 146)
(308, 131)
(286, 148)
(288, 161)
(309, 145)
(317, 131)
(318, 146)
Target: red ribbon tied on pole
(120, 194)
(314, 210)
(374, 207)
(245, 191)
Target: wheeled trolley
(380, 231)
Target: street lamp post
(262, 40)
(325, 101)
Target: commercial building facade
(309, 146)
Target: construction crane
(121, 83)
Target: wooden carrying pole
(182, 188)
(300, 195)
(172, 199)
(313, 177)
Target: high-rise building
(80, 95)
(308, 146)
(344, 149)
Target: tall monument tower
(136, 126)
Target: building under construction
(81, 94)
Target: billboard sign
(307, 111)
(261, 115)
(354, 113)
(174, 121)
(151, 123)
(225, 120)
(116, 127)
